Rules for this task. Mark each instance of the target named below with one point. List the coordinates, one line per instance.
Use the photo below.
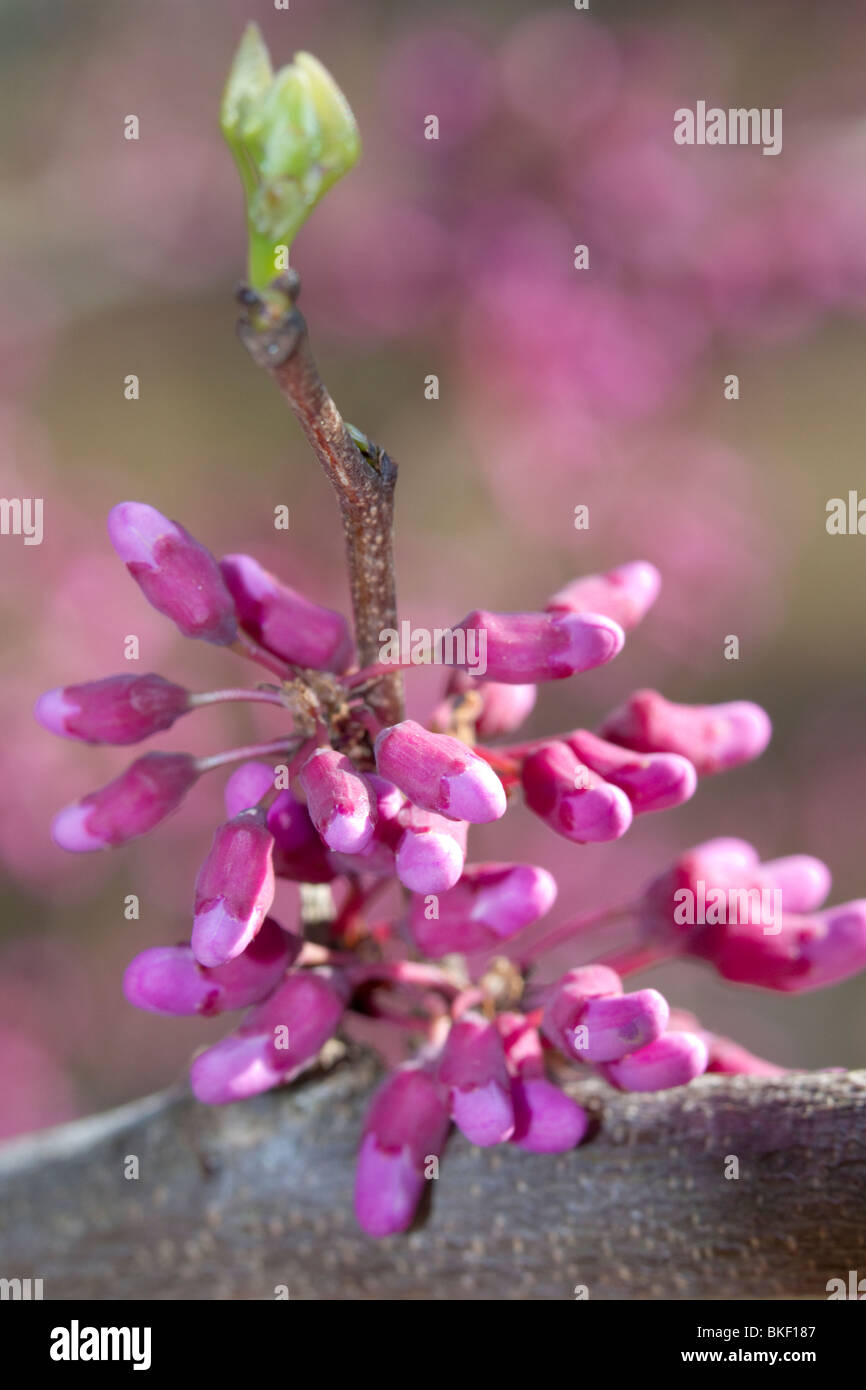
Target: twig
(275, 334)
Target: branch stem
(252, 750)
(221, 697)
(364, 478)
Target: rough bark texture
(233, 1202)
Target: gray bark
(233, 1202)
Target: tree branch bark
(364, 478)
(236, 1201)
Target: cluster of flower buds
(756, 923)
(336, 799)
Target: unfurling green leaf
(292, 134)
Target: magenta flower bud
(837, 949)
(406, 1126)
(724, 854)
(473, 1068)
(298, 850)
(246, 787)
(795, 956)
(571, 798)
(235, 1068)
(727, 1058)
(524, 1053)
(625, 594)
(567, 1002)
(389, 799)
(651, 781)
(138, 800)
(716, 864)
(118, 710)
(338, 800)
(503, 707)
(546, 1120)
(431, 851)
(274, 1042)
(804, 882)
(378, 856)
(234, 889)
(720, 903)
(176, 574)
(674, 1059)
(522, 648)
(713, 737)
(490, 903)
(300, 1016)
(439, 773)
(169, 979)
(288, 624)
(615, 1027)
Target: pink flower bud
(431, 851)
(837, 948)
(246, 787)
(803, 881)
(118, 710)
(234, 889)
(288, 624)
(795, 956)
(503, 707)
(714, 865)
(651, 781)
(176, 574)
(235, 1068)
(546, 1120)
(389, 799)
(135, 802)
(726, 853)
(169, 979)
(472, 1066)
(298, 850)
(378, 856)
(300, 1016)
(727, 1058)
(571, 798)
(568, 1000)
(405, 1127)
(524, 648)
(625, 594)
(490, 903)
(274, 1042)
(439, 773)
(720, 903)
(713, 737)
(590, 1020)
(524, 1053)
(338, 800)
(674, 1059)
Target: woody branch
(362, 475)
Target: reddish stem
(240, 755)
(245, 646)
(557, 935)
